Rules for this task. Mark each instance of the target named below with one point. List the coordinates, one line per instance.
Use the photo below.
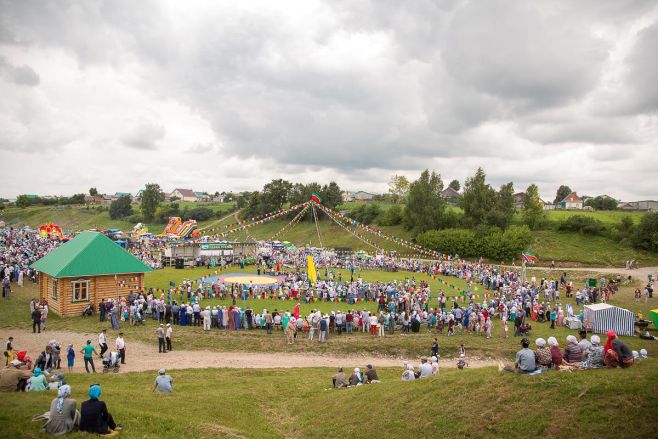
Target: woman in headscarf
(616, 353)
(543, 356)
(573, 354)
(556, 353)
(594, 354)
(38, 381)
(63, 414)
(356, 379)
(94, 417)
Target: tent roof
(89, 254)
(599, 306)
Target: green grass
(608, 217)
(586, 250)
(13, 314)
(295, 403)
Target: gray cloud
(21, 75)
(144, 136)
(359, 88)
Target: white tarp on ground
(603, 318)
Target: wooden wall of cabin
(100, 287)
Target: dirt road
(141, 357)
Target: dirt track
(141, 357)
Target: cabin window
(80, 290)
(53, 289)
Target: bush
(392, 217)
(582, 224)
(489, 242)
(198, 213)
(365, 213)
(121, 208)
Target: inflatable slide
(180, 230)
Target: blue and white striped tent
(603, 318)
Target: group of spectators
(583, 354)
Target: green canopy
(89, 254)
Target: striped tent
(603, 318)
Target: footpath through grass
(296, 404)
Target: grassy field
(586, 250)
(233, 403)
(14, 313)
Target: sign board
(216, 246)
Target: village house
(519, 200)
(571, 201)
(451, 195)
(87, 269)
(183, 194)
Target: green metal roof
(89, 254)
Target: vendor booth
(602, 318)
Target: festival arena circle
(245, 278)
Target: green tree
(602, 202)
(646, 233)
(562, 193)
(93, 191)
(22, 201)
(151, 199)
(478, 200)
(425, 205)
(121, 207)
(398, 187)
(503, 211)
(455, 185)
(533, 210)
(331, 195)
(275, 194)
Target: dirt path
(141, 357)
(638, 273)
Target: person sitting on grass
(13, 378)
(356, 379)
(594, 355)
(525, 360)
(371, 376)
(408, 374)
(616, 352)
(340, 380)
(163, 382)
(573, 354)
(38, 382)
(64, 417)
(94, 417)
(542, 354)
(556, 353)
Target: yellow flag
(311, 270)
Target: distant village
(573, 201)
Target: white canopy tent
(603, 318)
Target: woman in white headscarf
(63, 414)
(594, 354)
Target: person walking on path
(168, 333)
(88, 350)
(121, 347)
(70, 357)
(102, 342)
(161, 341)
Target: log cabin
(87, 269)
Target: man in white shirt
(102, 342)
(425, 368)
(168, 336)
(121, 347)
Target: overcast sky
(225, 95)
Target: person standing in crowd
(88, 350)
(121, 347)
(101, 311)
(70, 357)
(102, 342)
(161, 339)
(168, 334)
